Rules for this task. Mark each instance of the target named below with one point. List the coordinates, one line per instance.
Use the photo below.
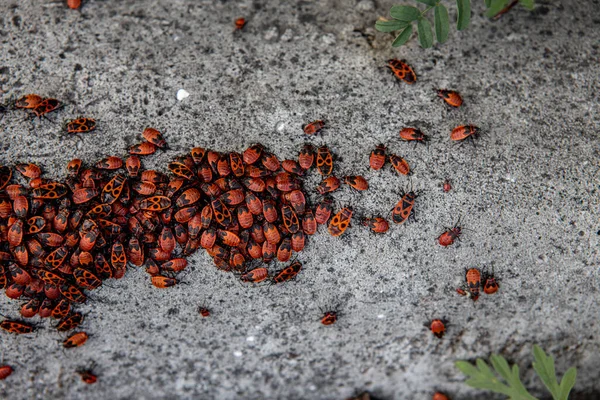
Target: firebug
(451, 97)
(313, 127)
(463, 132)
(438, 327)
(402, 71)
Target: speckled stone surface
(528, 194)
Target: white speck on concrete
(288, 35)
(182, 94)
(329, 39)
(271, 33)
(250, 339)
(237, 353)
(365, 5)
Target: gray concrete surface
(528, 193)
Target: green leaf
(495, 7)
(528, 4)
(567, 383)
(501, 366)
(442, 26)
(403, 36)
(467, 368)
(429, 2)
(485, 369)
(544, 366)
(488, 3)
(384, 25)
(425, 33)
(405, 13)
(464, 14)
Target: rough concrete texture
(528, 194)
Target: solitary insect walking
(329, 318)
(81, 125)
(413, 134)
(404, 208)
(451, 97)
(448, 237)
(402, 71)
(240, 23)
(314, 127)
(438, 327)
(377, 157)
(463, 132)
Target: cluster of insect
(59, 239)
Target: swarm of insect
(61, 239)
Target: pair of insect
(475, 280)
(153, 140)
(332, 183)
(261, 274)
(457, 134)
(42, 106)
(378, 157)
(404, 72)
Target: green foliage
(403, 16)
(482, 377)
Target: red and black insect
(203, 311)
(142, 149)
(400, 164)
(446, 186)
(28, 101)
(377, 157)
(328, 185)
(240, 23)
(402, 71)
(357, 182)
(440, 396)
(74, 4)
(46, 106)
(17, 327)
(75, 340)
(163, 282)
(450, 235)
(413, 134)
(377, 224)
(256, 275)
(438, 327)
(324, 161)
(81, 125)
(306, 157)
(404, 208)
(473, 280)
(451, 97)
(252, 153)
(329, 317)
(87, 375)
(5, 371)
(463, 132)
(314, 127)
(70, 322)
(155, 137)
(490, 283)
(340, 222)
(288, 273)
(30, 170)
